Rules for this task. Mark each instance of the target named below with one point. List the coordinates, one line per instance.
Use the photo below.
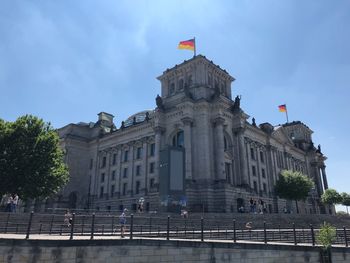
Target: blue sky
(65, 61)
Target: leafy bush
(327, 235)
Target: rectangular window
(101, 191)
(262, 157)
(228, 172)
(153, 149)
(124, 188)
(113, 175)
(137, 190)
(138, 169)
(139, 153)
(253, 170)
(125, 172)
(151, 183)
(264, 187)
(114, 158)
(255, 187)
(102, 177)
(126, 153)
(91, 163)
(151, 168)
(252, 155)
(112, 190)
(263, 173)
(104, 161)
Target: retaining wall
(127, 251)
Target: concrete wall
(85, 251)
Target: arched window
(172, 89)
(225, 144)
(181, 84)
(189, 80)
(178, 139)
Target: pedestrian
(15, 203)
(68, 218)
(122, 222)
(249, 226)
(9, 203)
(251, 202)
(184, 213)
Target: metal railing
(160, 227)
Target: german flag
(282, 108)
(187, 44)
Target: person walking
(15, 203)
(9, 203)
(68, 218)
(122, 222)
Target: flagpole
(194, 39)
(286, 113)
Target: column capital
(239, 130)
(219, 121)
(187, 121)
(159, 129)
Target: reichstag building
(196, 149)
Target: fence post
(29, 224)
(72, 227)
(131, 225)
(234, 231)
(345, 238)
(265, 238)
(202, 229)
(82, 225)
(7, 222)
(168, 228)
(112, 225)
(150, 224)
(295, 235)
(51, 223)
(312, 234)
(92, 226)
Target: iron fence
(160, 227)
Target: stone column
(324, 177)
(132, 161)
(219, 149)
(318, 180)
(145, 163)
(243, 159)
(188, 145)
(158, 138)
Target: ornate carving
(236, 107)
(159, 102)
(253, 122)
(187, 121)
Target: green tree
(331, 197)
(327, 235)
(293, 186)
(345, 200)
(31, 161)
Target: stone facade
(129, 251)
(227, 159)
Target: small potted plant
(326, 236)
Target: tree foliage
(293, 185)
(331, 197)
(327, 235)
(31, 161)
(345, 199)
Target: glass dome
(139, 117)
